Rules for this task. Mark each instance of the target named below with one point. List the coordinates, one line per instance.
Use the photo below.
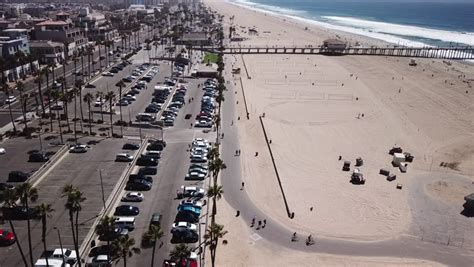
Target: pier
(456, 53)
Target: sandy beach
(319, 108)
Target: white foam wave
(404, 30)
(377, 30)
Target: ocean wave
(386, 32)
(404, 30)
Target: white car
(192, 191)
(133, 197)
(108, 74)
(99, 102)
(78, 149)
(196, 140)
(10, 99)
(198, 159)
(201, 145)
(206, 124)
(199, 150)
(2, 151)
(70, 256)
(184, 225)
(194, 176)
(193, 202)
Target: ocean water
(408, 22)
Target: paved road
(276, 233)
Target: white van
(125, 222)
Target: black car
(148, 171)
(5, 186)
(101, 250)
(114, 70)
(38, 157)
(126, 210)
(147, 161)
(155, 146)
(186, 216)
(112, 235)
(137, 185)
(151, 110)
(130, 146)
(90, 86)
(138, 177)
(19, 213)
(158, 141)
(18, 176)
(184, 236)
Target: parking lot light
(61, 243)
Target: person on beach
(243, 184)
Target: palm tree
(73, 204)
(39, 80)
(44, 212)
(74, 93)
(153, 234)
(23, 101)
(26, 193)
(110, 96)
(213, 233)
(215, 191)
(120, 85)
(46, 72)
(99, 43)
(89, 53)
(180, 252)
(88, 98)
(56, 95)
(66, 98)
(105, 226)
(7, 90)
(20, 59)
(9, 199)
(79, 84)
(100, 96)
(124, 248)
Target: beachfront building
(95, 25)
(61, 31)
(15, 50)
(334, 45)
(48, 51)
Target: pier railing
(457, 53)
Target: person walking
(243, 184)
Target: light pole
(61, 243)
(102, 188)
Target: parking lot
(17, 155)
(81, 170)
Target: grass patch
(210, 57)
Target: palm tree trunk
(11, 116)
(90, 117)
(82, 65)
(74, 238)
(153, 254)
(60, 129)
(18, 244)
(213, 253)
(100, 60)
(49, 103)
(75, 118)
(80, 108)
(29, 234)
(76, 243)
(125, 260)
(43, 238)
(111, 123)
(66, 113)
(23, 110)
(101, 111)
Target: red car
(6, 237)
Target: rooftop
(52, 23)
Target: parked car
(140, 177)
(198, 159)
(38, 157)
(141, 185)
(191, 191)
(130, 146)
(19, 213)
(89, 85)
(197, 170)
(133, 197)
(194, 176)
(126, 210)
(10, 99)
(112, 235)
(146, 161)
(108, 74)
(18, 176)
(183, 225)
(148, 171)
(184, 236)
(123, 157)
(78, 149)
(7, 238)
(186, 216)
(70, 256)
(155, 219)
(192, 202)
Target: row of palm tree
(25, 194)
